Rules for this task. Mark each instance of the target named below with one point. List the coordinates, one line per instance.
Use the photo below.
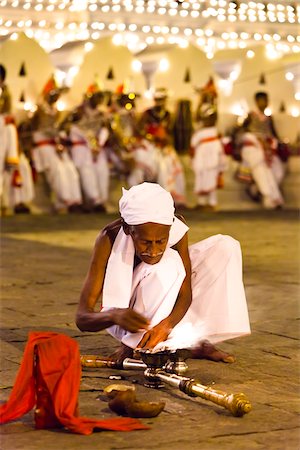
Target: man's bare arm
(87, 319)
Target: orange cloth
(60, 368)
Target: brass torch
(170, 367)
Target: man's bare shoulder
(109, 232)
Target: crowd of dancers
(77, 153)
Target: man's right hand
(130, 320)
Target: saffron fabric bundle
(59, 366)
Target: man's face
(150, 241)
(262, 103)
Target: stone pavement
(44, 261)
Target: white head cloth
(147, 202)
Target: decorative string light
(181, 15)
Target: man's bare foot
(206, 350)
(121, 353)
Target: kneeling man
(157, 292)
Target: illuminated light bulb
(242, 44)
(121, 27)
(38, 7)
(15, 4)
(28, 23)
(112, 26)
(165, 30)
(117, 8)
(290, 38)
(250, 54)
(160, 40)
(242, 17)
(183, 13)
(232, 44)
(209, 55)
(289, 76)
(73, 71)
(14, 36)
(88, 46)
(257, 36)
(296, 48)
(221, 45)
(232, 18)
(188, 32)
(267, 37)
(26, 6)
(149, 40)
(105, 8)
(95, 35)
(195, 14)
(132, 27)
(59, 25)
(276, 37)
(156, 29)
(174, 30)
(146, 29)
(72, 26)
(200, 42)
(208, 32)
(60, 105)
(199, 32)
(297, 96)
(29, 33)
(172, 12)
(295, 112)
(182, 43)
(233, 35)
(268, 111)
(93, 7)
(117, 39)
(221, 18)
(20, 23)
(225, 35)
(136, 65)
(161, 11)
(42, 23)
(164, 65)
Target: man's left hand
(157, 334)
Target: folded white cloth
(119, 272)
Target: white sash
(119, 270)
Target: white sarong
(218, 310)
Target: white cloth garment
(120, 264)
(218, 310)
(267, 177)
(93, 170)
(208, 161)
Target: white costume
(92, 165)
(218, 310)
(145, 156)
(23, 194)
(59, 170)
(267, 176)
(170, 173)
(208, 161)
(8, 154)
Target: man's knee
(228, 246)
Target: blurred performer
(50, 156)
(208, 157)
(123, 130)
(157, 116)
(259, 151)
(16, 185)
(88, 133)
(156, 126)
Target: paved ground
(44, 260)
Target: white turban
(147, 202)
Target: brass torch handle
(237, 404)
(96, 361)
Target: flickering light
(289, 76)
(295, 112)
(136, 65)
(164, 65)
